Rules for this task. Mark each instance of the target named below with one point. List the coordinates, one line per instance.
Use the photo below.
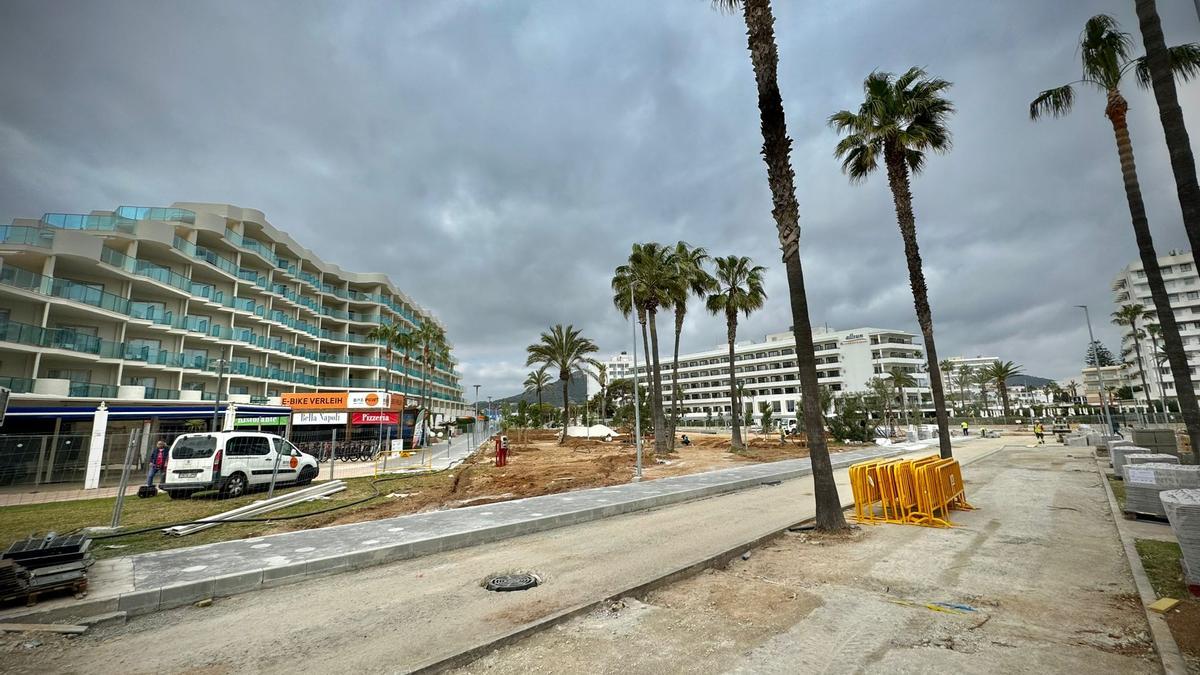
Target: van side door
(250, 455)
(289, 459)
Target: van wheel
(307, 474)
(235, 486)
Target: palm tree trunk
(565, 376)
(391, 364)
(1137, 352)
(902, 197)
(1003, 387)
(776, 150)
(649, 371)
(679, 314)
(660, 421)
(731, 334)
(1172, 344)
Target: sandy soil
(1038, 568)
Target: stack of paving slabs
(1183, 510)
(53, 562)
(14, 579)
(1151, 458)
(1120, 452)
(1143, 482)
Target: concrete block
(139, 602)
(336, 563)
(283, 574)
(185, 594)
(232, 584)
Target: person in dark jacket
(158, 464)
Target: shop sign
(311, 418)
(375, 418)
(280, 420)
(334, 400)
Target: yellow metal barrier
(914, 491)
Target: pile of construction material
(1160, 441)
(1144, 482)
(38, 565)
(255, 509)
(1183, 510)
(1118, 453)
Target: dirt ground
(538, 465)
(1033, 581)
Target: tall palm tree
(901, 119)
(386, 334)
(776, 153)
(602, 379)
(738, 289)
(691, 279)
(982, 379)
(1129, 315)
(1157, 358)
(902, 380)
(407, 344)
(1073, 387)
(537, 381)
(650, 272)
(1105, 50)
(1000, 372)
(566, 350)
(1157, 70)
(432, 340)
(948, 368)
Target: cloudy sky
(499, 158)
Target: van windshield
(194, 447)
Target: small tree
(1098, 353)
(748, 416)
(851, 423)
(766, 410)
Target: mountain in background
(1029, 381)
(552, 393)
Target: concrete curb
(718, 560)
(1160, 632)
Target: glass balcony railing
(162, 394)
(242, 241)
(80, 221)
(89, 390)
(207, 255)
(23, 235)
(16, 277)
(311, 279)
(164, 213)
(17, 385)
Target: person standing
(966, 430)
(158, 464)
(1039, 432)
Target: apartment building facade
(1183, 292)
(153, 303)
(768, 372)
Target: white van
(232, 462)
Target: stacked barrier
(919, 491)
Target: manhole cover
(511, 582)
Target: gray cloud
(497, 159)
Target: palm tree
(1073, 387)
(650, 273)
(1129, 315)
(1157, 70)
(386, 334)
(691, 279)
(776, 153)
(982, 379)
(566, 350)
(738, 289)
(1105, 50)
(406, 344)
(537, 381)
(948, 367)
(1157, 358)
(900, 120)
(902, 379)
(429, 338)
(602, 379)
(1001, 372)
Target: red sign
(374, 418)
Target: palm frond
(1105, 49)
(1184, 60)
(1056, 102)
(727, 6)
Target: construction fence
(908, 491)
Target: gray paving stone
(139, 602)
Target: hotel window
(137, 381)
(140, 309)
(68, 374)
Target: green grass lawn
(1161, 560)
(19, 522)
(1118, 488)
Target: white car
(233, 462)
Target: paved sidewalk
(164, 579)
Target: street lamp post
(1099, 372)
(221, 363)
(477, 400)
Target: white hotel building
(140, 303)
(1183, 291)
(767, 370)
